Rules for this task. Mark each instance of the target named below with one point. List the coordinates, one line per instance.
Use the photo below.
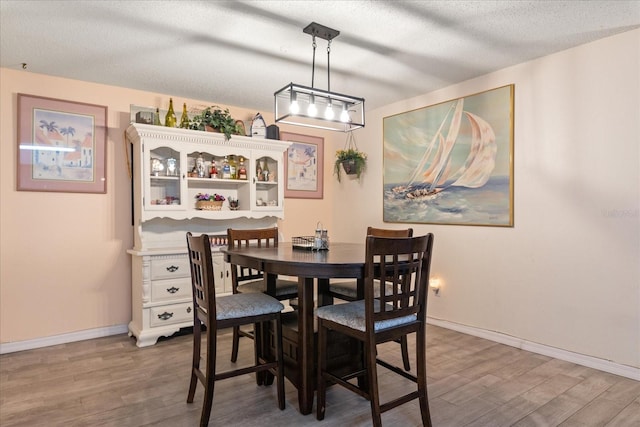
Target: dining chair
(224, 312)
(405, 262)
(247, 280)
(347, 290)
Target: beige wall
(63, 265)
(566, 276)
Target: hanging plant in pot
(350, 159)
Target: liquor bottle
(156, 118)
(170, 118)
(233, 167)
(184, 119)
(213, 173)
(226, 169)
(242, 170)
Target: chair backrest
(384, 232)
(405, 262)
(202, 280)
(261, 238)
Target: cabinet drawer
(168, 314)
(167, 290)
(165, 268)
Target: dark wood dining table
(342, 260)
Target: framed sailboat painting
(451, 163)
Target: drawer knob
(173, 290)
(172, 269)
(188, 309)
(165, 316)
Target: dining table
(314, 269)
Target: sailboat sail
(431, 173)
(482, 157)
(452, 135)
(478, 166)
(436, 140)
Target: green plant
(352, 160)
(217, 119)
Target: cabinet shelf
(162, 178)
(218, 181)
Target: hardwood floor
(472, 382)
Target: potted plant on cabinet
(215, 119)
(352, 160)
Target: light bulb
(312, 110)
(294, 107)
(344, 115)
(328, 113)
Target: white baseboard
(556, 353)
(88, 334)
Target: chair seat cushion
(244, 305)
(352, 315)
(283, 287)
(350, 289)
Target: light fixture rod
(313, 64)
(328, 66)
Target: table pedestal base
(344, 356)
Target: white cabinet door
(164, 186)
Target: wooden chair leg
(322, 366)
(210, 379)
(421, 361)
(374, 394)
(235, 344)
(195, 363)
(404, 348)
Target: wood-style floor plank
(110, 382)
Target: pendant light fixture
(322, 109)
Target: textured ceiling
(240, 52)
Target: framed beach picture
(61, 145)
(303, 166)
(451, 163)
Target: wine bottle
(170, 118)
(184, 119)
(156, 118)
(258, 170)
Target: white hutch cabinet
(164, 209)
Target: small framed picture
(303, 166)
